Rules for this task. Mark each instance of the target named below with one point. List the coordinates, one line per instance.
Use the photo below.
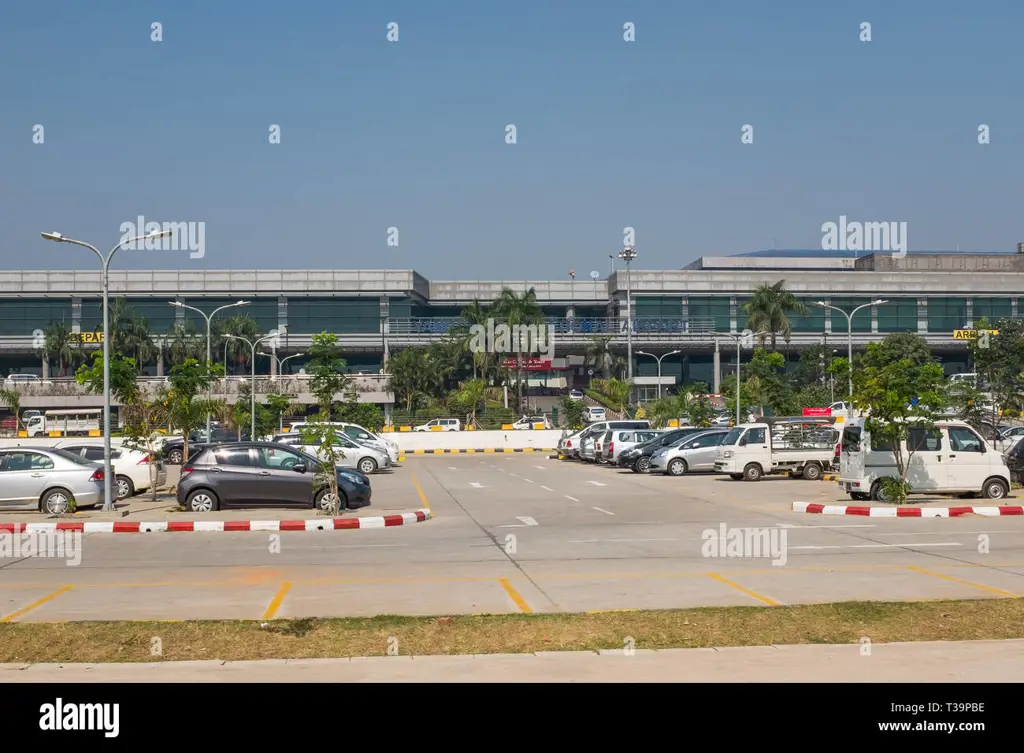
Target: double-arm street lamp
(741, 338)
(252, 345)
(658, 359)
(628, 254)
(108, 501)
(849, 332)
(280, 361)
(209, 357)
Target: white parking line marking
(872, 546)
(540, 467)
(603, 510)
(475, 485)
(618, 541)
(528, 521)
(547, 488)
(597, 483)
(572, 498)
(527, 480)
(938, 533)
(513, 474)
(790, 525)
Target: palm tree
(57, 346)
(238, 351)
(768, 312)
(518, 310)
(599, 355)
(477, 315)
(409, 377)
(183, 343)
(473, 392)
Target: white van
(952, 458)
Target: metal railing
(577, 326)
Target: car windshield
(733, 436)
(73, 457)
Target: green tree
(768, 312)
(141, 421)
(367, 415)
(766, 382)
(618, 391)
(57, 346)
(599, 355)
(279, 406)
(12, 399)
(999, 360)
(572, 410)
(184, 400)
(729, 391)
(124, 377)
(700, 412)
(408, 376)
(472, 393)
(326, 438)
(326, 368)
(900, 393)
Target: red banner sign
(817, 411)
(531, 364)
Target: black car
(264, 474)
(1014, 458)
(638, 459)
(173, 451)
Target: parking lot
(526, 533)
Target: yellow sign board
(86, 337)
(971, 334)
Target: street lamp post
(252, 345)
(658, 359)
(209, 356)
(108, 501)
(628, 254)
(849, 332)
(280, 369)
(740, 338)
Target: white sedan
(131, 466)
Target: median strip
(905, 512)
(852, 623)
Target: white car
(355, 432)
(440, 424)
(594, 413)
(131, 466)
(576, 396)
(529, 422)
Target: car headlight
(727, 454)
(355, 478)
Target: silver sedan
(50, 480)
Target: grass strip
(239, 640)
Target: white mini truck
(804, 448)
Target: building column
(160, 360)
(46, 368)
(273, 365)
(717, 371)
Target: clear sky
(411, 134)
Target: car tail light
(185, 471)
(144, 461)
(611, 448)
(837, 452)
(97, 475)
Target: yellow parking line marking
(515, 596)
(747, 591)
(35, 604)
(963, 582)
(419, 490)
(276, 602)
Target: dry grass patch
(846, 622)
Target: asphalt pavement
(525, 533)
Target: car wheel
(860, 496)
(57, 502)
(677, 467)
(642, 464)
(367, 466)
(125, 487)
(878, 493)
(174, 457)
(995, 489)
(812, 472)
(202, 500)
(325, 499)
(752, 472)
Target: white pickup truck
(803, 448)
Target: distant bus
(71, 422)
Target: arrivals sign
(971, 334)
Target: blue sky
(412, 134)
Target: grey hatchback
(264, 474)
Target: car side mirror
(743, 442)
(299, 467)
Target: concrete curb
(488, 451)
(212, 526)
(906, 512)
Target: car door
(280, 483)
(234, 476)
(968, 460)
(703, 457)
(927, 469)
(23, 478)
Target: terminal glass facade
(947, 314)
(992, 308)
(338, 315)
(861, 320)
(712, 307)
(20, 317)
(898, 315)
(812, 321)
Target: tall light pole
(209, 356)
(280, 369)
(252, 345)
(108, 501)
(658, 359)
(849, 332)
(740, 338)
(627, 255)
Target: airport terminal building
(691, 310)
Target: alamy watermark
(746, 543)
(182, 236)
(499, 337)
(66, 545)
(888, 237)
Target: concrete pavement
(522, 533)
(968, 661)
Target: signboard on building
(529, 364)
(85, 337)
(971, 334)
(817, 411)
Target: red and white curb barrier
(214, 526)
(907, 512)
